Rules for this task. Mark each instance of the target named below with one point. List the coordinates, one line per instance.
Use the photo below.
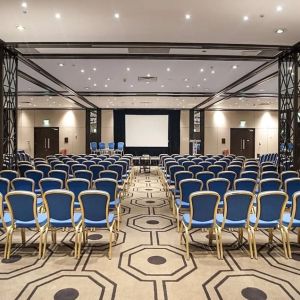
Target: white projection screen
(146, 130)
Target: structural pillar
(93, 127)
(8, 107)
(197, 130)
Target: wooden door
(242, 142)
(46, 141)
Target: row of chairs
(109, 148)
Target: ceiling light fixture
(201, 70)
(204, 79)
(279, 8)
(280, 30)
(24, 4)
(187, 16)
(105, 85)
(246, 18)
(234, 67)
(213, 71)
(20, 27)
(162, 86)
(82, 70)
(117, 15)
(57, 15)
(94, 69)
(61, 64)
(148, 75)
(198, 85)
(89, 78)
(168, 69)
(187, 86)
(95, 84)
(131, 85)
(127, 69)
(108, 79)
(186, 79)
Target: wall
(107, 126)
(184, 131)
(71, 124)
(218, 124)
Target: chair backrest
(195, 169)
(4, 187)
(249, 174)
(215, 169)
(270, 207)
(59, 174)
(222, 163)
(218, 185)
(288, 174)
(187, 164)
(59, 206)
(267, 185)
(77, 185)
(96, 169)
(101, 146)
(204, 176)
(78, 167)
(173, 170)
(203, 207)
(44, 168)
(23, 184)
(237, 206)
(124, 164)
(53, 163)
(22, 206)
(63, 167)
(295, 213)
(94, 205)
(9, 174)
(93, 146)
(107, 185)
(169, 164)
(291, 186)
(111, 146)
(105, 164)
(252, 167)
(23, 168)
(181, 175)
(180, 160)
(245, 184)
(47, 184)
(269, 174)
(120, 146)
(36, 176)
(88, 163)
(269, 168)
(197, 160)
(118, 169)
(80, 160)
(108, 174)
(84, 174)
(189, 186)
(236, 169)
(230, 175)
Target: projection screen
(146, 130)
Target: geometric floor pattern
(148, 261)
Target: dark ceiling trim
(238, 109)
(239, 81)
(45, 86)
(222, 46)
(244, 89)
(44, 73)
(147, 56)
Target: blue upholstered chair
(47, 184)
(80, 160)
(108, 174)
(288, 174)
(59, 174)
(102, 147)
(95, 214)
(119, 170)
(60, 215)
(195, 169)
(63, 167)
(111, 147)
(245, 184)
(237, 208)
(269, 175)
(187, 164)
(22, 208)
(292, 186)
(269, 214)
(120, 148)
(23, 184)
(249, 175)
(204, 176)
(78, 167)
(45, 168)
(93, 147)
(36, 176)
(105, 164)
(88, 163)
(8, 174)
(205, 165)
(221, 163)
(111, 187)
(252, 167)
(96, 169)
(53, 163)
(76, 186)
(292, 220)
(23, 168)
(269, 168)
(230, 175)
(203, 211)
(220, 186)
(268, 185)
(186, 188)
(215, 169)
(197, 160)
(173, 170)
(84, 174)
(237, 169)
(5, 219)
(4, 189)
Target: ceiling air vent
(25, 102)
(28, 50)
(147, 78)
(250, 52)
(143, 50)
(268, 53)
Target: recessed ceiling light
(234, 67)
(147, 82)
(95, 84)
(279, 8)
(201, 70)
(131, 85)
(198, 85)
(213, 71)
(57, 15)
(89, 78)
(20, 27)
(82, 70)
(245, 18)
(168, 69)
(162, 86)
(117, 15)
(24, 4)
(187, 86)
(280, 30)
(61, 64)
(187, 16)
(204, 79)
(105, 85)
(86, 88)
(186, 79)
(108, 79)
(127, 69)
(148, 75)
(94, 69)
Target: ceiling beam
(238, 82)
(45, 86)
(46, 74)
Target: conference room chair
(215, 169)
(84, 174)
(205, 165)
(120, 148)
(241, 157)
(177, 157)
(171, 179)
(197, 160)
(60, 216)
(4, 189)
(195, 169)
(236, 213)
(8, 174)
(102, 157)
(53, 163)
(204, 176)
(220, 186)
(81, 160)
(44, 168)
(191, 157)
(237, 169)
(119, 170)
(111, 148)
(245, 184)
(50, 158)
(221, 163)
(269, 175)
(108, 174)
(288, 174)
(23, 168)
(266, 163)
(251, 161)
(291, 186)
(253, 168)
(39, 162)
(47, 184)
(96, 160)
(249, 174)
(5, 220)
(105, 164)
(93, 147)
(125, 173)
(202, 214)
(36, 176)
(180, 160)
(187, 164)
(166, 172)
(22, 207)
(269, 168)
(186, 188)
(230, 175)
(76, 186)
(268, 185)
(96, 169)
(78, 167)
(88, 163)
(95, 214)
(59, 174)
(116, 156)
(24, 162)
(71, 164)
(63, 167)
(237, 162)
(291, 220)
(211, 160)
(111, 187)
(269, 214)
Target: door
(242, 142)
(46, 141)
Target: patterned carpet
(148, 262)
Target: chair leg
(187, 245)
(298, 237)
(9, 243)
(220, 242)
(270, 236)
(177, 218)
(23, 235)
(79, 243)
(45, 242)
(283, 237)
(181, 233)
(254, 243)
(118, 220)
(287, 239)
(210, 236)
(110, 241)
(217, 242)
(8, 240)
(241, 235)
(250, 242)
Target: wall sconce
(242, 123)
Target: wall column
(8, 107)
(93, 127)
(197, 129)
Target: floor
(148, 262)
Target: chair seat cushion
(113, 204)
(37, 191)
(66, 223)
(197, 224)
(121, 182)
(230, 223)
(174, 191)
(182, 204)
(39, 202)
(42, 220)
(76, 204)
(262, 223)
(7, 220)
(287, 218)
(101, 223)
(289, 204)
(221, 204)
